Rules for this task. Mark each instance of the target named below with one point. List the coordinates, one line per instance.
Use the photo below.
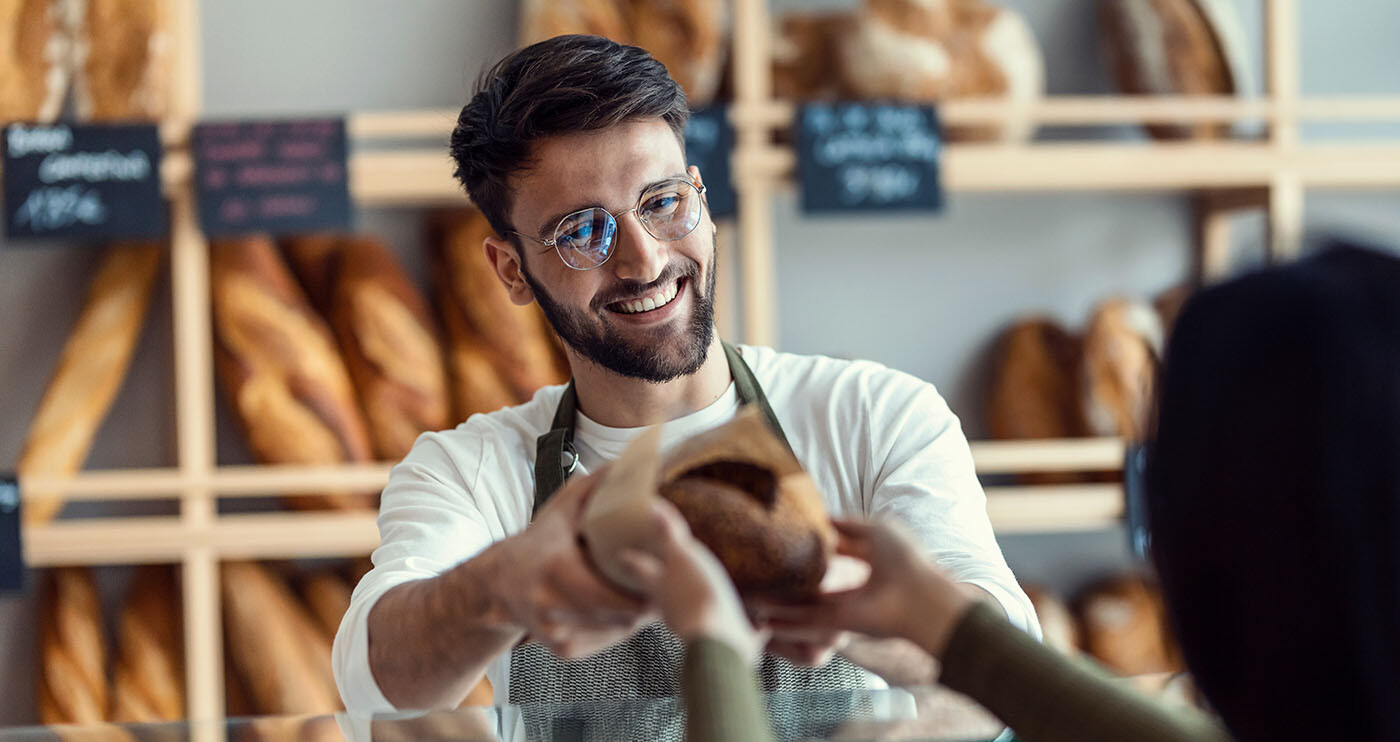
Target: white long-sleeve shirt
(879, 443)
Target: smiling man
(573, 150)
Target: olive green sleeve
(721, 695)
(1047, 697)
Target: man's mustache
(626, 290)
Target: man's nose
(637, 256)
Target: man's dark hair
(563, 85)
(1274, 497)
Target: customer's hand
(689, 586)
(905, 596)
(548, 588)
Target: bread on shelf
(280, 368)
(276, 648)
(1123, 623)
(915, 50)
(72, 650)
(35, 60)
(515, 338)
(327, 597)
(148, 682)
(1122, 346)
(122, 60)
(1033, 391)
(387, 335)
(690, 38)
(1174, 47)
(91, 370)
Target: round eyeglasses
(585, 239)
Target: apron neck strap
(556, 458)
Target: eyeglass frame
(553, 242)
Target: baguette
(72, 650)
(386, 333)
(327, 596)
(271, 649)
(94, 363)
(148, 682)
(35, 60)
(122, 59)
(518, 339)
(280, 369)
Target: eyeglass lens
(668, 212)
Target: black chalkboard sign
(869, 157)
(11, 551)
(1135, 500)
(88, 181)
(709, 142)
(271, 176)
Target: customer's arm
(699, 603)
(1040, 694)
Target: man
(573, 150)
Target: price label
(85, 181)
(869, 157)
(11, 550)
(709, 143)
(282, 177)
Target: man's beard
(589, 334)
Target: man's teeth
(648, 303)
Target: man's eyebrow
(547, 226)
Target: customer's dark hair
(563, 85)
(1274, 497)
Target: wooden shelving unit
(1274, 172)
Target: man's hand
(548, 588)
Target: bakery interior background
(925, 294)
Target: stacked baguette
(386, 333)
(113, 54)
(147, 677)
(499, 353)
(94, 363)
(281, 370)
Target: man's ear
(506, 262)
(694, 172)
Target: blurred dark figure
(1274, 497)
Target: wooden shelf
(1049, 455)
(304, 534)
(1054, 508)
(156, 540)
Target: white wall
(922, 294)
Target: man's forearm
(431, 640)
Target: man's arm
(430, 640)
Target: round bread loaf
(1124, 626)
(748, 500)
(762, 532)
